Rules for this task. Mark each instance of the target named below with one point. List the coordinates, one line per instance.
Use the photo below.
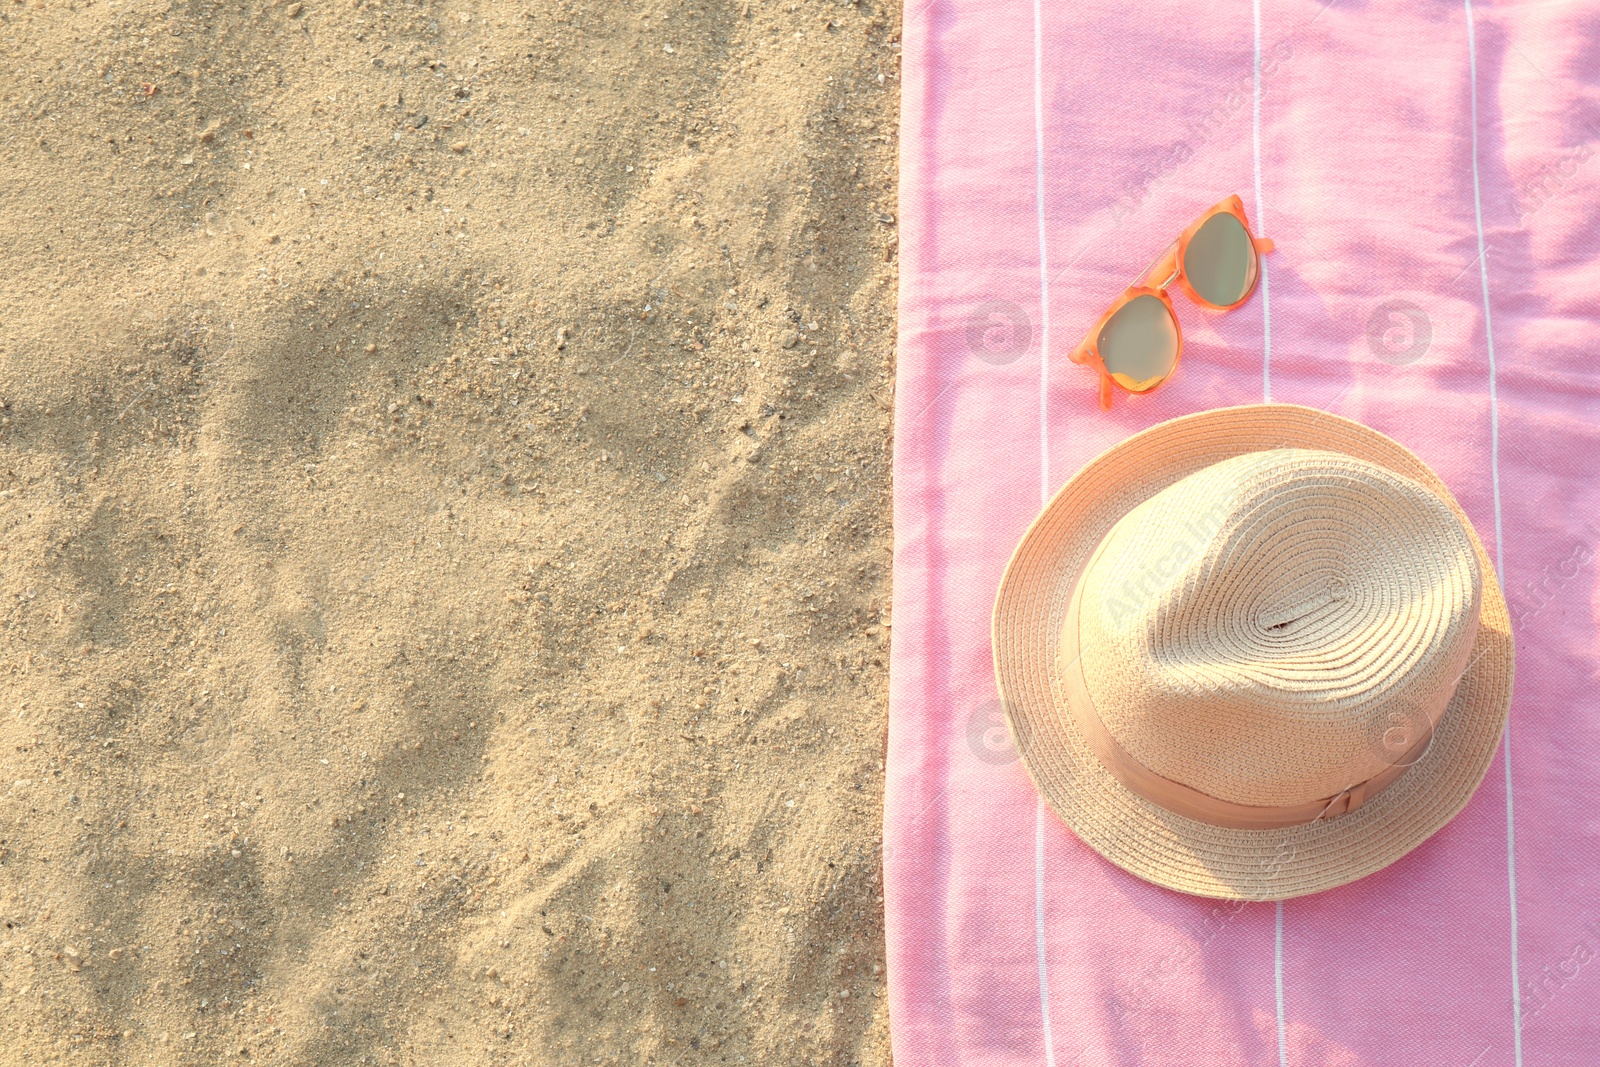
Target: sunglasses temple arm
(1264, 245)
(1081, 355)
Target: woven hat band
(1191, 803)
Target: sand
(444, 531)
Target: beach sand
(444, 531)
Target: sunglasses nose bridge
(1163, 271)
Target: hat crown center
(1276, 627)
(1288, 618)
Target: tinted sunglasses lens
(1220, 261)
(1139, 344)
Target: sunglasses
(1136, 344)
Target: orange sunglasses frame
(1169, 266)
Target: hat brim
(1134, 833)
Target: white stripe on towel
(1499, 537)
(1277, 982)
(1266, 397)
(1038, 932)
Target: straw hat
(1254, 653)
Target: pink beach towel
(1426, 172)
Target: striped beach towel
(1426, 171)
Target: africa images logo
(998, 332)
(989, 734)
(1399, 332)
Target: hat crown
(1278, 626)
